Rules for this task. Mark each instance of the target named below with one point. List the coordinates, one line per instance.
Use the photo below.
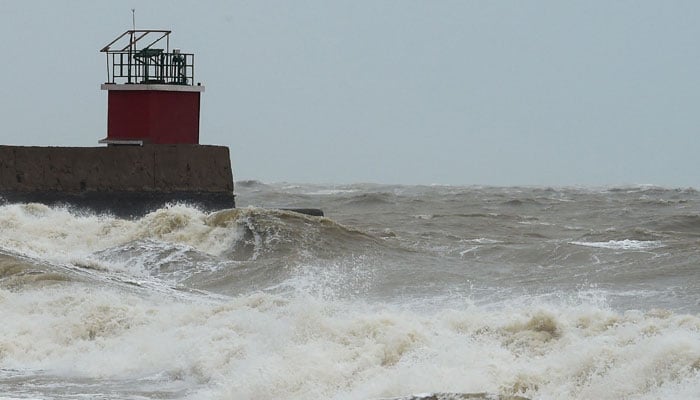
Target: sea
(399, 292)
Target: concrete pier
(123, 180)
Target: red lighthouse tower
(153, 157)
(152, 98)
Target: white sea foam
(626, 244)
(61, 236)
(469, 250)
(330, 192)
(263, 346)
(328, 322)
(483, 241)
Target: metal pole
(131, 44)
(131, 40)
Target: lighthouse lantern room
(152, 98)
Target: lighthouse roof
(143, 56)
(133, 38)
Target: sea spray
(262, 304)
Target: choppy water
(536, 292)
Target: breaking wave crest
(230, 250)
(500, 301)
(267, 346)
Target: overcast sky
(415, 92)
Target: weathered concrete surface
(157, 168)
(152, 175)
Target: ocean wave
(250, 183)
(626, 244)
(686, 223)
(521, 202)
(228, 251)
(330, 192)
(370, 199)
(580, 299)
(277, 233)
(267, 346)
(456, 396)
(17, 272)
(59, 235)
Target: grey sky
(453, 92)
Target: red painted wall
(159, 117)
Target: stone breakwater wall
(79, 170)
(125, 181)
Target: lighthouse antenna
(133, 18)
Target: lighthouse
(152, 156)
(152, 95)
